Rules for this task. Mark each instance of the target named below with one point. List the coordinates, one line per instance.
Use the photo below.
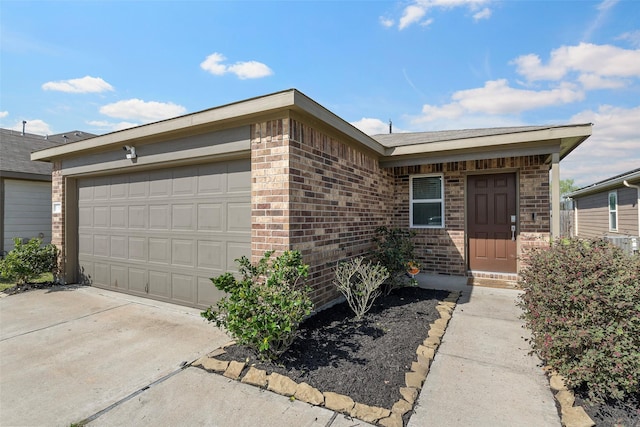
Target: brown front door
(491, 204)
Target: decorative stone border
(572, 416)
(414, 379)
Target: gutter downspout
(637, 187)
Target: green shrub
(359, 281)
(582, 304)
(28, 261)
(393, 250)
(265, 307)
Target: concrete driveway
(69, 355)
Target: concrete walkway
(482, 374)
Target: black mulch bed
(618, 413)
(365, 360)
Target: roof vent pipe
(24, 123)
(390, 126)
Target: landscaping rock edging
(393, 417)
(571, 416)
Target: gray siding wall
(27, 211)
(593, 213)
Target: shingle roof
(403, 139)
(16, 149)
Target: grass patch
(43, 278)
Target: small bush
(28, 261)
(360, 281)
(582, 304)
(393, 249)
(263, 309)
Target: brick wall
(57, 219)
(317, 194)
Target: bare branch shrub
(359, 281)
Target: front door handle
(513, 232)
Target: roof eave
(192, 123)
(633, 177)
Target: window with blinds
(426, 201)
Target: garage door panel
(159, 284)
(118, 188)
(211, 255)
(238, 217)
(85, 244)
(159, 217)
(118, 276)
(160, 184)
(211, 179)
(137, 248)
(100, 245)
(165, 233)
(137, 280)
(182, 252)
(137, 217)
(182, 288)
(183, 183)
(118, 247)
(101, 216)
(101, 273)
(183, 217)
(159, 250)
(210, 217)
(118, 217)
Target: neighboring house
(610, 209)
(282, 172)
(25, 185)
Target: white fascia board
(558, 133)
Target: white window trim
(609, 211)
(441, 200)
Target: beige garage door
(164, 234)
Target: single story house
(25, 185)
(159, 209)
(610, 209)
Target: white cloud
(417, 10)
(483, 14)
(593, 81)
(633, 37)
(85, 84)
(214, 64)
(250, 70)
(137, 109)
(585, 58)
(35, 126)
(387, 22)
(412, 14)
(612, 149)
(372, 126)
(3, 114)
(102, 126)
(498, 98)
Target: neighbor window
(613, 211)
(426, 201)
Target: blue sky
(425, 64)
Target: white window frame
(612, 211)
(412, 200)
